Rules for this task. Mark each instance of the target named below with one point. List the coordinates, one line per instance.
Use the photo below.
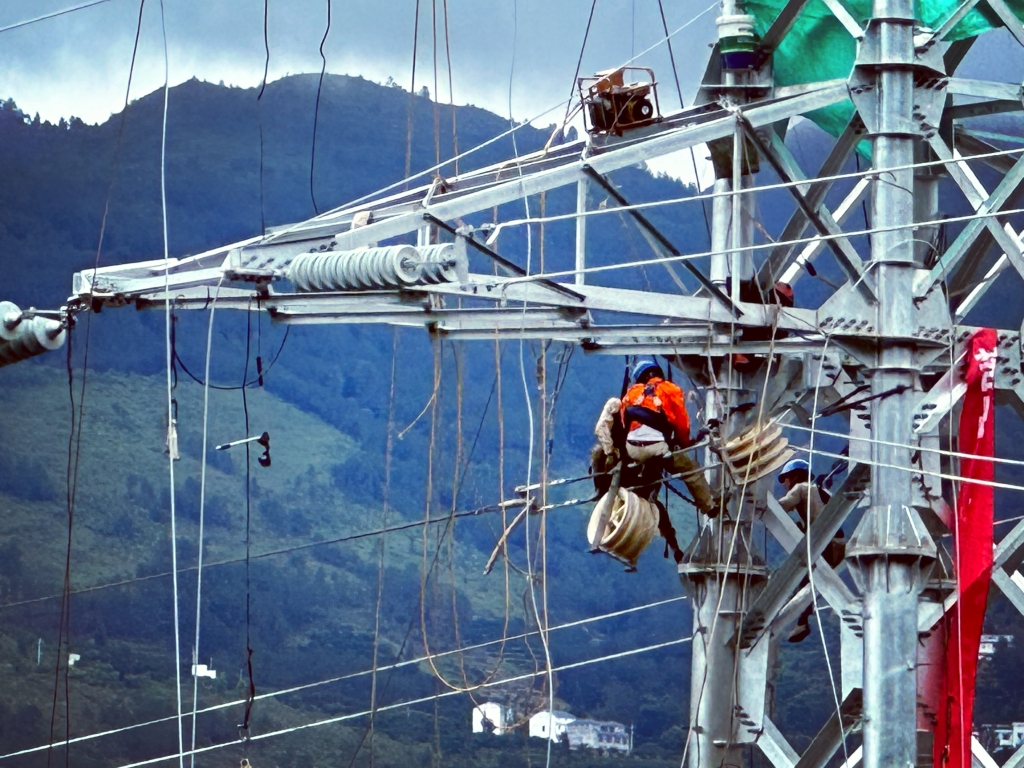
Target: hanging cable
(63, 628)
(316, 108)
(451, 94)
(679, 92)
(259, 108)
(388, 448)
(409, 120)
(810, 563)
(579, 62)
(436, 93)
(224, 388)
(244, 726)
(202, 516)
(170, 397)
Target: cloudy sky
(77, 64)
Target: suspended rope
(316, 108)
(451, 94)
(202, 515)
(412, 95)
(244, 725)
(170, 390)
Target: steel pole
(889, 564)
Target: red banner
(972, 539)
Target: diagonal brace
(826, 580)
(845, 253)
(948, 262)
(661, 242)
(502, 262)
(784, 582)
(971, 186)
(814, 193)
(832, 733)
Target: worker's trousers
(678, 463)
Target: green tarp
(819, 48)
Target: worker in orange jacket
(657, 426)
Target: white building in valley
(492, 717)
(550, 725)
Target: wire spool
(386, 268)
(756, 453)
(632, 523)
(24, 337)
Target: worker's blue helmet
(794, 465)
(646, 366)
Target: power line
(754, 246)
(705, 196)
(53, 15)
(364, 673)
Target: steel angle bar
(989, 90)
(830, 737)
(980, 756)
(697, 309)
(814, 192)
(154, 288)
(338, 309)
(1009, 587)
(976, 293)
(406, 202)
(1016, 759)
(1009, 545)
(958, 112)
(940, 399)
(827, 581)
(451, 321)
(702, 347)
(783, 23)
(775, 747)
(811, 250)
(784, 581)
(760, 113)
(500, 260)
(800, 89)
(968, 143)
(202, 297)
(976, 194)
(956, 52)
(956, 251)
(788, 171)
(843, 15)
(952, 20)
(661, 244)
(1009, 19)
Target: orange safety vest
(662, 397)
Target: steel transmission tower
(882, 348)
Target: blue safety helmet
(646, 366)
(795, 465)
